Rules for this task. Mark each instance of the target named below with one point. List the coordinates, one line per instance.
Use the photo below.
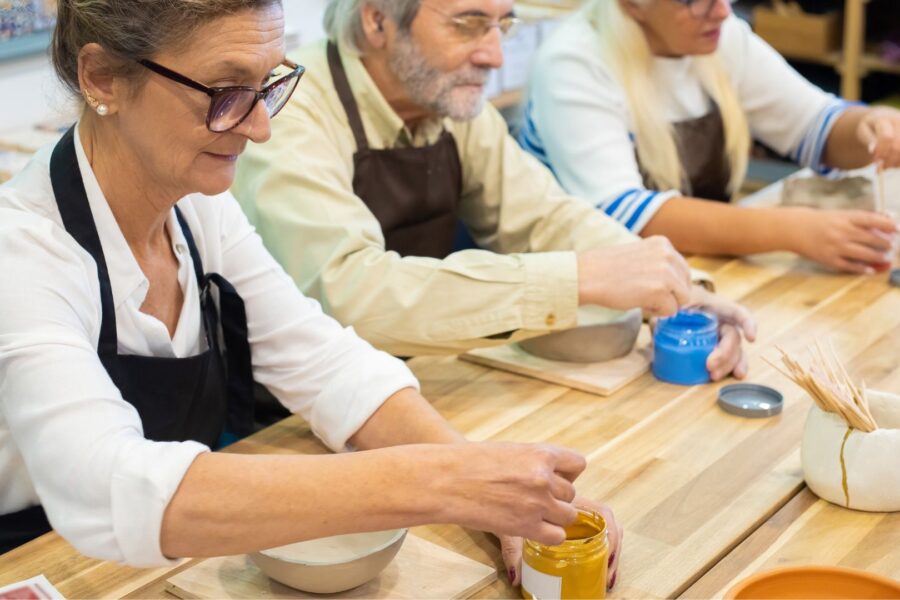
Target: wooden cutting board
(420, 570)
(603, 379)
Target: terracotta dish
(333, 564)
(795, 583)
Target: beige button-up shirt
(298, 191)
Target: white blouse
(68, 440)
(579, 124)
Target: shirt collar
(126, 278)
(385, 121)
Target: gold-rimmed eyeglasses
(474, 27)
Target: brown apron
(701, 148)
(413, 192)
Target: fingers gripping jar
(577, 568)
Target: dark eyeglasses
(701, 8)
(230, 106)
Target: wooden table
(705, 497)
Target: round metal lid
(895, 277)
(750, 400)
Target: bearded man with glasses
(388, 145)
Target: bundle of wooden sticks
(831, 388)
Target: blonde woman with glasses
(648, 109)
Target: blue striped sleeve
(810, 150)
(530, 140)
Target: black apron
(206, 398)
(413, 192)
(701, 148)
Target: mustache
(471, 76)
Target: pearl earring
(102, 110)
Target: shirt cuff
(812, 147)
(635, 207)
(551, 291)
(144, 483)
(351, 398)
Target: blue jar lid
(689, 328)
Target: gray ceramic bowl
(333, 564)
(588, 343)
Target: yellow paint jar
(577, 568)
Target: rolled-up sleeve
(786, 112)
(104, 487)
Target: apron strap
(75, 210)
(345, 93)
(23, 526)
(234, 333)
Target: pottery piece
(332, 564)
(854, 192)
(869, 463)
(597, 338)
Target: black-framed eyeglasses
(701, 8)
(230, 106)
(473, 28)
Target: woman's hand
(879, 131)
(511, 547)
(735, 323)
(511, 489)
(853, 241)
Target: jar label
(540, 585)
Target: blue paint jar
(681, 345)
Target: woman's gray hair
(131, 30)
(343, 19)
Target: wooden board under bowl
(603, 378)
(421, 569)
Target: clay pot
(871, 460)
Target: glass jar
(577, 568)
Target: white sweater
(579, 124)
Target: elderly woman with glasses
(138, 306)
(647, 108)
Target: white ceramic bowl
(333, 564)
(597, 338)
(872, 460)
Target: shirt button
(550, 320)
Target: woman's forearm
(229, 504)
(844, 150)
(697, 226)
(405, 418)
(232, 504)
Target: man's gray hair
(343, 18)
